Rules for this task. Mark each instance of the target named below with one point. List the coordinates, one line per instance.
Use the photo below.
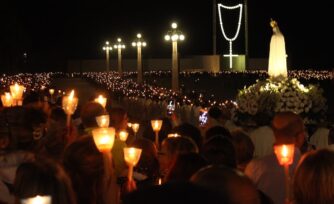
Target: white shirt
(263, 139)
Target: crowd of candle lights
(14, 86)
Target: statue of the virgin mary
(277, 55)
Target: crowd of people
(217, 162)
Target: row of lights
(173, 35)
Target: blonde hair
(314, 178)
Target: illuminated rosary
(230, 40)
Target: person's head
(244, 148)
(188, 130)
(288, 128)
(215, 113)
(46, 178)
(84, 163)
(89, 112)
(185, 166)
(219, 150)
(148, 163)
(236, 187)
(171, 147)
(313, 180)
(216, 130)
(118, 118)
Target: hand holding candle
(131, 157)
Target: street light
(107, 48)
(139, 43)
(174, 35)
(119, 46)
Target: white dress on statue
(277, 54)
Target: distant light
(175, 37)
(119, 39)
(174, 25)
(138, 35)
(167, 37)
(107, 42)
(144, 44)
(133, 44)
(182, 37)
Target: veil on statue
(277, 55)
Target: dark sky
(52, 32)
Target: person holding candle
(266, 172)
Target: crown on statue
(273, 23)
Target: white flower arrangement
(281, 94)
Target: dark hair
(89, 113)
(215, 112)
(189, 130)
(43, 177)
(217, 130)
(243, 145)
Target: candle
(156, 125)
(104, 138)
(16, 91)
(129, 125)
(101, 100)
(173, 135)
(7, 100)
(131, 157)
(135, 127)
(51, 91)
(37, 200)
(284, 153)
(70, 103)
(123, 135)
(103, 121)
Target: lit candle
(104, 138)
(7, 100)
(156, 125)
(37, 200)
(135, 127)
(51, 91)
(131, 157)
(17, 93)
(123, 135)
(173, 135)
(70, 103)
(101, 100)
(129, 125)
(103, 121)
(284, 153)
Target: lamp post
(107, 48)
(119, 46)
(174, 35)
(139, 43)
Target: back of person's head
(45, 178)
(33, 98)
(219, 150)
(313, 181)
(179, 145)
(89, 112)
(231, 184)
(189, 130)
(118, 118)
(174, 192)
(185, 166)
(58, 114)
(215, 112)
(148, 163)
(244, 147)
(288, 128)
(216, 130)
(84, 163)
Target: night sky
(53, 32)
